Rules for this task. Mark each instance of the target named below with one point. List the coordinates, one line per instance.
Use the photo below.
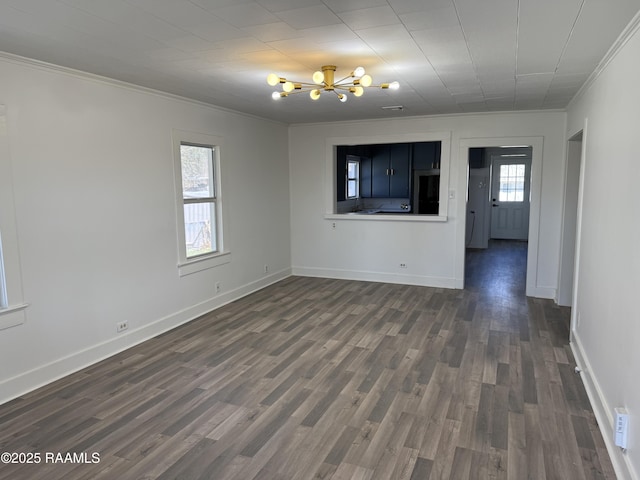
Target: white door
(510, 188)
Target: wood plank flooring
(332, 379)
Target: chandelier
(324, 81)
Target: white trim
(368, 276)
(48, 373)
(576, 262)
(189, 265)
(386, 217)
(10, 268)
(203, 263)
(40, 65)
(602, 411)
(537, 142)
(543, 292)
(12, 316)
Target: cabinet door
(365, 177)
(399, 164)
(380, 171)
(424, 155)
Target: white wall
(95, 215)
(606, 325)
(372, 249)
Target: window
(199, 199)
(512, 183)
(353, 178)
(12, 306)
(3, 289)
(200, 213)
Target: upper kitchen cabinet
(426, 155)
(390, 170)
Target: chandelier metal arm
(343, 79)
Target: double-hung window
(199, 202)
(353, 179)
(12, 306)
(4, 303)
(199, 199)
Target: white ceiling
(450, 56)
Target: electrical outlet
(621, 430)
(333, 225)
(266, 269)
(403, 265)
(122, 326)
(218, 287)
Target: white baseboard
(28, 381)
(543, 292)
(603, 412)
(421, 280)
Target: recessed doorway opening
(508, 170)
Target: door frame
(570, 205)
(536, 143)
(575, 313)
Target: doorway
(498, 195)
(570, 221)
(498, 206)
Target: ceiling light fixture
(324, 81)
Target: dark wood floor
(317, 378)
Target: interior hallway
(334, 379)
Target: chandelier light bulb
(358, 72)
(394, 85)
(273, 79)
(318, 77)
(288, 86)
(314, 94)
(357, 91)
(366, 81)
(342, 97)
(275, 95)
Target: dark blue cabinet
(390, 168)
(426, 155)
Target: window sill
(12, 316)
(400, 217)
(203, 263)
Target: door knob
(495, 205)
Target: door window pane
(512, 183)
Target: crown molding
(41, 65)
(630, 30)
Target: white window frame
(222, 255)
(12, 306)
(351, 179)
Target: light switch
(452, 194)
